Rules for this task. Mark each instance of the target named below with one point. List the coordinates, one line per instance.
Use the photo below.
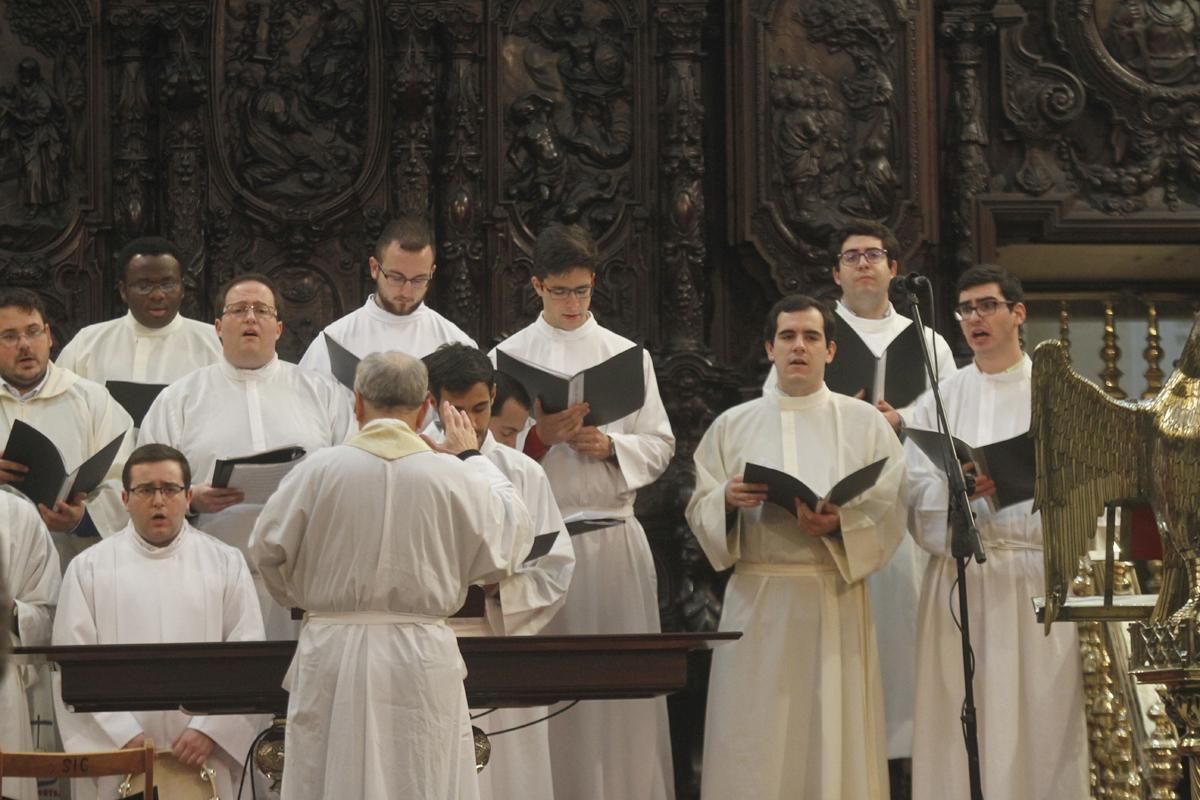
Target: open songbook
(48, 481)
(1011, 464)
(614, 388)
(258, 474)
(783, 489)
(853, 369)
(136, 398)
(342, 363)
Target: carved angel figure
(1092, 449)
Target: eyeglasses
(244, 310)
(13, 338)
(873, 255)
(563, 292)
(398, 280)
(147, 490)
(984, 308)
(148, 287)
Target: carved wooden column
(412, 78)
(133, 174)
(461, 190)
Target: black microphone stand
(965, 542)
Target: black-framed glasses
(873, 255)
(246, 309)
(984, 308)
(398, 280)
(563, 292)
(13, 338)
(150, 287)
(146, 491)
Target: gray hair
(391, 380)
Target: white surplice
(1028, 687)
(795, 707)
(380, 551)
(127, 591)
(123, 349)
(896, 588)
(31, 574)
(615, 749)
(221, 411)
(370, 329)
(80, 417)
(528, 599)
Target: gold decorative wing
(1088, 452)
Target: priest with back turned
(795, 707)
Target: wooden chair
(80, 765)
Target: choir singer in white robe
(153, 342)
(158, 581)
(522, 603)
(1028, 686)
(395, 316)
(795, 707)
(31, 574)
(79, 416)
(612, 749)
(379, 539)
(249, 402)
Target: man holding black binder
(1028, 687)
(795, 707)
(77, 415)
(250, 402)
(612, 750)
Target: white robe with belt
(527, 600)
(614, 749)
(370, 329)
(221, 411)
(31, 574)
(1028, 687)
(380, 551)
(795, 707)
(127, 591)
(123, 349)
(80, 417)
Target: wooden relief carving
(826, 105)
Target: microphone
(909, 282)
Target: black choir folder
(258, 474)
(614, 388)
(853, 367)
(783, 489)
(136, 398)
(1010, 463)
(342, 363)
(48, 481)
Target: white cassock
(795, 707)
(127, 591)
(896, 588)
(379, 540)
(80, 417)
(123, 349)
(30, 570)
(222, 412)
(529, 598)
(1028, 687)
(370, 329)
(614, 749)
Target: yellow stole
(388, 439)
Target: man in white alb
(79, 416)
(30, 572)
(617, 749)
(523, 603)
(510, 411)
(395, 316)
(249, 402)
(1028, 686)
(795, 707)
(160, 581)
(871, 329)
(153, 342)
(378, 539)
